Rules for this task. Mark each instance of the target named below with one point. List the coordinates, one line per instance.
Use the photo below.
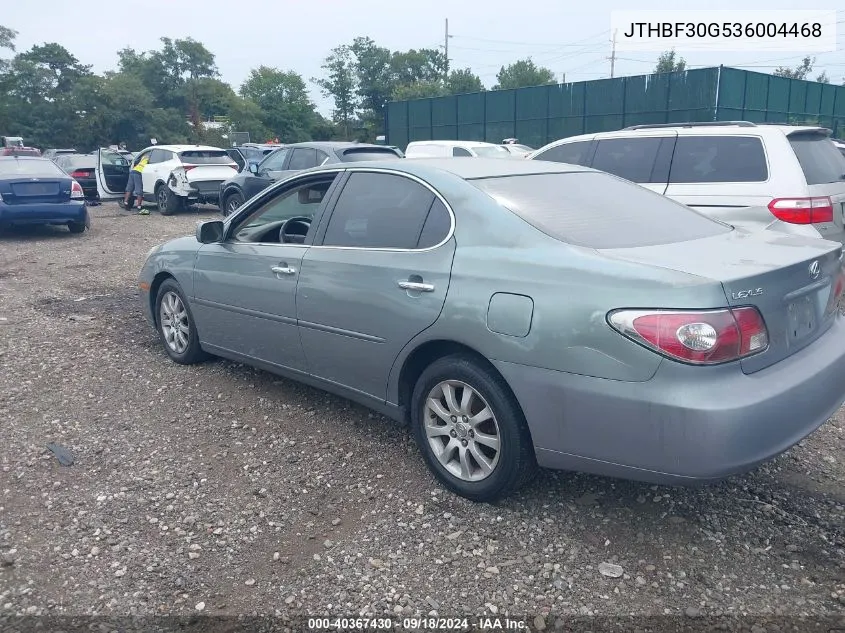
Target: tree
(374, 79)
(419, 90)
(523, 74)
(669, 63)
(425, 64)
(7, 37)
(823, 78)
(799, 72)
(340, 85)
(463, 81)
(282, 97)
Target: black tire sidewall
(193, 353)
(512, 429)
(228, 199)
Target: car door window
(322, 158)
(719, 159)
(437, 225)
(159, 156)
(576, 153)
(304, 200)
(377, 210)
(274, 162)
(629, 158)
(303, 158)
(460, 151)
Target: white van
(442, 149)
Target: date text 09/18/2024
(416, 624)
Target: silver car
(516, 314)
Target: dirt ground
(218, 489)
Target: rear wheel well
(159, 279)
(422, 357)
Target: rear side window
(461, 151)
(629, 158)
(437, 226)
(370, 153)
(820, 161)
(303, 158)
(718, 159)
(379, 211)
(576, 153)
(597, 210)
(205, 157)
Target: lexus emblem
(815, 270)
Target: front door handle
(416, 286)
(283, 270)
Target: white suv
(467, 149)
(787, 178)
(179, 175)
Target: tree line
(52, 100)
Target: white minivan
(442, 149)
(757, 176)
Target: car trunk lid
(788, 278)
(36, 191)
(207, 164)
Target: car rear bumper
(44, 213)
(685, 425)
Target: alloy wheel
(175, 326)
(462, 430)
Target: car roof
(184, 148)
(332, 145)
(24, 157)
(455, 143)
(468, 169)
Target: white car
(442, 149)
(840, 145)
(174, 177)
(788, 178)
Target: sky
(570, 38)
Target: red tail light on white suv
(802, 210)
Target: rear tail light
(837, 288)
(189, 167)
(81, 173)
(76, 191)
(697, 337)
(802, 210)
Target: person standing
(135, 185)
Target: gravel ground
(219, 489)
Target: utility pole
(612, 57)
(446, 47)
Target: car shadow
(38, 231)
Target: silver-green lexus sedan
(519, 314)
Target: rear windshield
(80, 162)
(205, 157)
(30, 168)
(485, 151)
(821, 162)
(370, 153)
(597, 210)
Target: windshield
(820, 161)
(12, 168)
(598, 210)
(488, 151)
(205, 157)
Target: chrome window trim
(374, 170)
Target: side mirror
(210, 232)
(253, 168)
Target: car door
(112, 173)
(644, 159)
(377, 279)
(245, 286)
(236, 156)
(268, 171)
(157, 169)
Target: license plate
(35, 189)
(802, 318)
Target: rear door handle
(416, 286)
(283, 270)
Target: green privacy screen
(539, 115)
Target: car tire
(76, 227)
(176, 326)
(231, 203)
(451, 442)
(167, 201)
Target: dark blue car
(36, 191)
